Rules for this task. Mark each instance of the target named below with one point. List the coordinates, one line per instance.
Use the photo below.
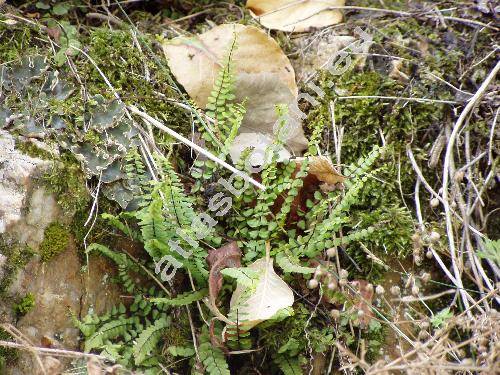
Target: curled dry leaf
(228, 255)
(264, 74)
(271, 294)
(296, 16)
(322, 168)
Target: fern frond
(118, 224)
(120, 259)
(137, 175)
(88, 325)
(320, 236)
(212, 357)
(222, 94)
(244, 275)
(289, 365)
(181, 351)
(361, 167)
(227, 117)
(149, 338)
(111, 351)
(166, 220)
(108, 331)
(182, 299)
(289, 266)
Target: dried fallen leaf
(195, 61)
(228, 255)
(296, 16)
(321, 170)
(263, 92)
(264, 75)
(322, 167)
(270, 295)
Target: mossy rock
(17, 257)
(67, 181)
(56, 239)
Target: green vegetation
(55, 241)
(25, 305)
(33, 150)
(165, 211)
(17, 257)
(126, 66)
(7, 356)
(325, 243)
(66, 179)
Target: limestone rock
(16, 170)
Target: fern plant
(137, 336)
(227, 117)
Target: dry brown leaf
(195, 61)
(322, 175)
(296, 15)
(263, 91)
(322, 167)
(264, 75)
(258, 141)
(228, 255)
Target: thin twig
(49, 351)
(420, 175)
(422, 100)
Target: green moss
(127, 68)
(25, 305)
(29, 148)
(401, 123)
(364, 119)
(391, 239)
(56, 239)
(17, 257)
(67, 181)
(16, 41)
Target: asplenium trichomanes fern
(326, 217)
(166, 219)
(226, 116)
